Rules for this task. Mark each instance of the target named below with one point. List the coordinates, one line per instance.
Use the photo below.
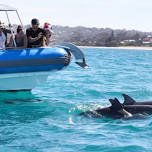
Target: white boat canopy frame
(7, 9)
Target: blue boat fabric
(32, 60)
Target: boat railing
(6, 9)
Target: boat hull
(27, 68)
(22, 81)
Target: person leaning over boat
(48, 29)
(20, 38)
(36, 36)
(2, 38)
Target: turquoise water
(46, 119)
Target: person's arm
(25, 41)
(29, 37)
(31, 40)
(6, 31)
(44, 41)
(11, 42)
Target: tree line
(84, 36)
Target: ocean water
(46, 119)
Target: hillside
(98, 36)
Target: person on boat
(36, 36)
(20, 38)
(2, 38)
(5, 31)
(48, 29)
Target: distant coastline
(106, 37)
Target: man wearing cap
(36, 36)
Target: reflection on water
(22, 106)
(16, 97)
(26, 107)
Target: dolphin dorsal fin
(115, 104)
(128, 100)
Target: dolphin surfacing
(130, 101)
(115, 111)
(129, 109)
(137, 109)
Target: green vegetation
(101, 36)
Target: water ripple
(47, 118)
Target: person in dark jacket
(36, 36)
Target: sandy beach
(123, 47)
(133, 47)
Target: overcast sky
(116, 14)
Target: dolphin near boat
(135, 109)
(130, 101)
(118, 111)
(115, 111)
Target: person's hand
(13, 36)
(40, 35)
(10, 25)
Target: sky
(116, 14)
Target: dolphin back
(128, 100)
(115, 104)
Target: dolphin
(130, 101)
(136, 109)
(115, 111)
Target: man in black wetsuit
(36, 36)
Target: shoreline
(121, 47)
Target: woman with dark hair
(20, 38)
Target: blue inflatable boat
(33, 60)
(24, 69)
